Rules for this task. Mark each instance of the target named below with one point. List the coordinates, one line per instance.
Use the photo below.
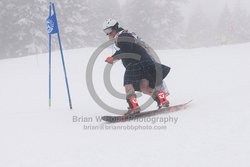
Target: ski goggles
(108, 31)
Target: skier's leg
(131, 99)
(129, 89)
(144, 87)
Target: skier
(140, 74)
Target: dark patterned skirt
(150, 70)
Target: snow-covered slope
(214, 131)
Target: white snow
(212, 132)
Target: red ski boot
(133, 105)
(161, 98)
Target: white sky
(210, 7)
(213, 7)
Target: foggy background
(163, 24)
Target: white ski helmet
(110, 23)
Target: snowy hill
(213, 132)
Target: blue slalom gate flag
(52, 27)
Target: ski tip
(189, 101)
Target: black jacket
(127, 43)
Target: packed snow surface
(212, 132)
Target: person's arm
(125, 43)
(113, 58)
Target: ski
(112, 119)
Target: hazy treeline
(159, 22)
